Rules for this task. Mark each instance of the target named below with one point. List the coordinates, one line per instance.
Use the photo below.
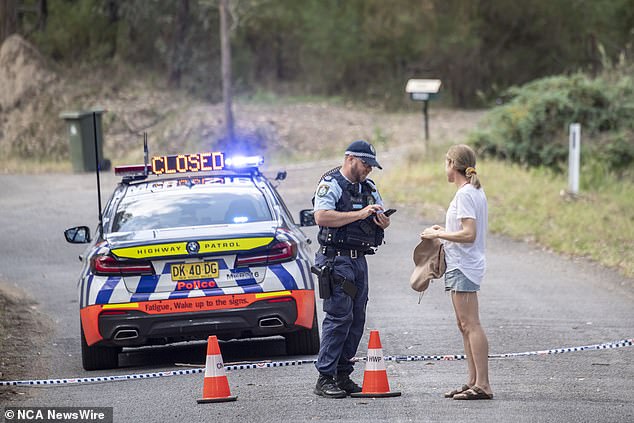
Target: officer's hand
(369, 211)
(382, 220)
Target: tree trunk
(225, 48)
(113, 11)
(42, 14)
(179, 43)
(8, 18)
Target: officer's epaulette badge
(328, 175)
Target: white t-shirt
(469, 202)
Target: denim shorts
(455, 280)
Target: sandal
(474, 393)
(456, 391)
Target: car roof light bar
(132, 170)
(242, 162)
(187, 163)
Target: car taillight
(280, 300)
(108, 265)
(277, 253)
(113, 313)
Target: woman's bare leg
(467, 348)
(475, 340)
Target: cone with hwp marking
(375, 382)
(216, 385)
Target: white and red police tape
(262, 365)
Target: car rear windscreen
(180, 208)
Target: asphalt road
(531, 300)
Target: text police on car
(194, 245)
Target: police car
(189, 246)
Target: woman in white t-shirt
(463, 238)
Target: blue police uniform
(346, 247)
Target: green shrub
(531, 128)
(77, 31)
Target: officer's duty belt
(331, 252)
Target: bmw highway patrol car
(191, 246)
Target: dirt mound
(291, 131)
(24, 332)
(23, 72)
(28, 93)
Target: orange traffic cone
(375, 382)
(216, 385)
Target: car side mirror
(78, 235)
(307, 218)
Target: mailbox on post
(423, 90)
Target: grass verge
(529, 205)
(21, 165)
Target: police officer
(349, 212)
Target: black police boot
(344, 382)
(327, 387)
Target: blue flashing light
(241, 162)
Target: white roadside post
(574, 157)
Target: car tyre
(304, 341)
(98, 358)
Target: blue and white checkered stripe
(116, 289)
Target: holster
(324, 279)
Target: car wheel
(304, 341)
(98, 358)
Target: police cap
(364, 151)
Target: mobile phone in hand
(389, 212)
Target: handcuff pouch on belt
(327, 280)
